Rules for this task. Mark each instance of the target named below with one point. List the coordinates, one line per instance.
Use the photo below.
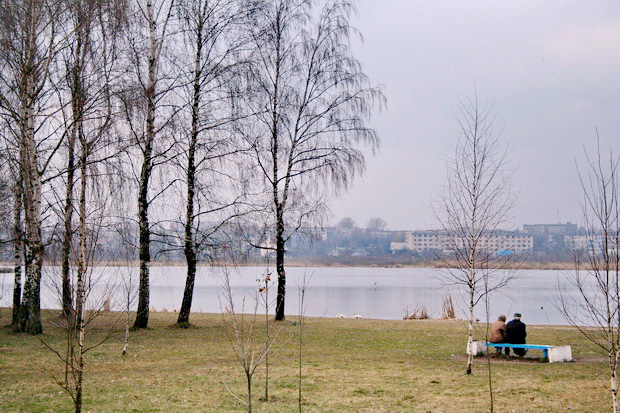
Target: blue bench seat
(545, 348)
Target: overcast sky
(552, 69)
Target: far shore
(6, 267)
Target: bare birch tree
(29, 39)
(92, 31)
(475, 203)
(148, 118)
(312, 103)
(213, 46)
(594, 308)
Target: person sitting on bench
(516, 334)
(499, 334)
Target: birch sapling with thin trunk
(487, 332)
(128, 300)
(472, 208)
(243, 337)
(91, 26)
(128, 290)
(302, 289)
(597, 275)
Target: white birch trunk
(470, 331)
(613, 367)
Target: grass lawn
(349, 366)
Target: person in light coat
(499, 333)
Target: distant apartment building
(421, 241)
(564, 229)
(399, 246)
(551, 237)
(592, 244)
(439, 241)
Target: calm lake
(382, 293)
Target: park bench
(554, 354)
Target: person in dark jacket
(516, 334)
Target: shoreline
(337, 319)
(6, 267)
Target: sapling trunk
(266, 279)
(302, 294)
(487, 308)
(249, 381)
(613, 363)
(127, 321)
(470, 332)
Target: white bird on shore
(341, 316)
(357, 316)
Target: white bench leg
(560, 354)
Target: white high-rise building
(514, 241)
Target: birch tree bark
(17, 254)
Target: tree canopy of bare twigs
(376, 223)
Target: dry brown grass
(350, 366)
(419, 313)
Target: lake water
(382, 293)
